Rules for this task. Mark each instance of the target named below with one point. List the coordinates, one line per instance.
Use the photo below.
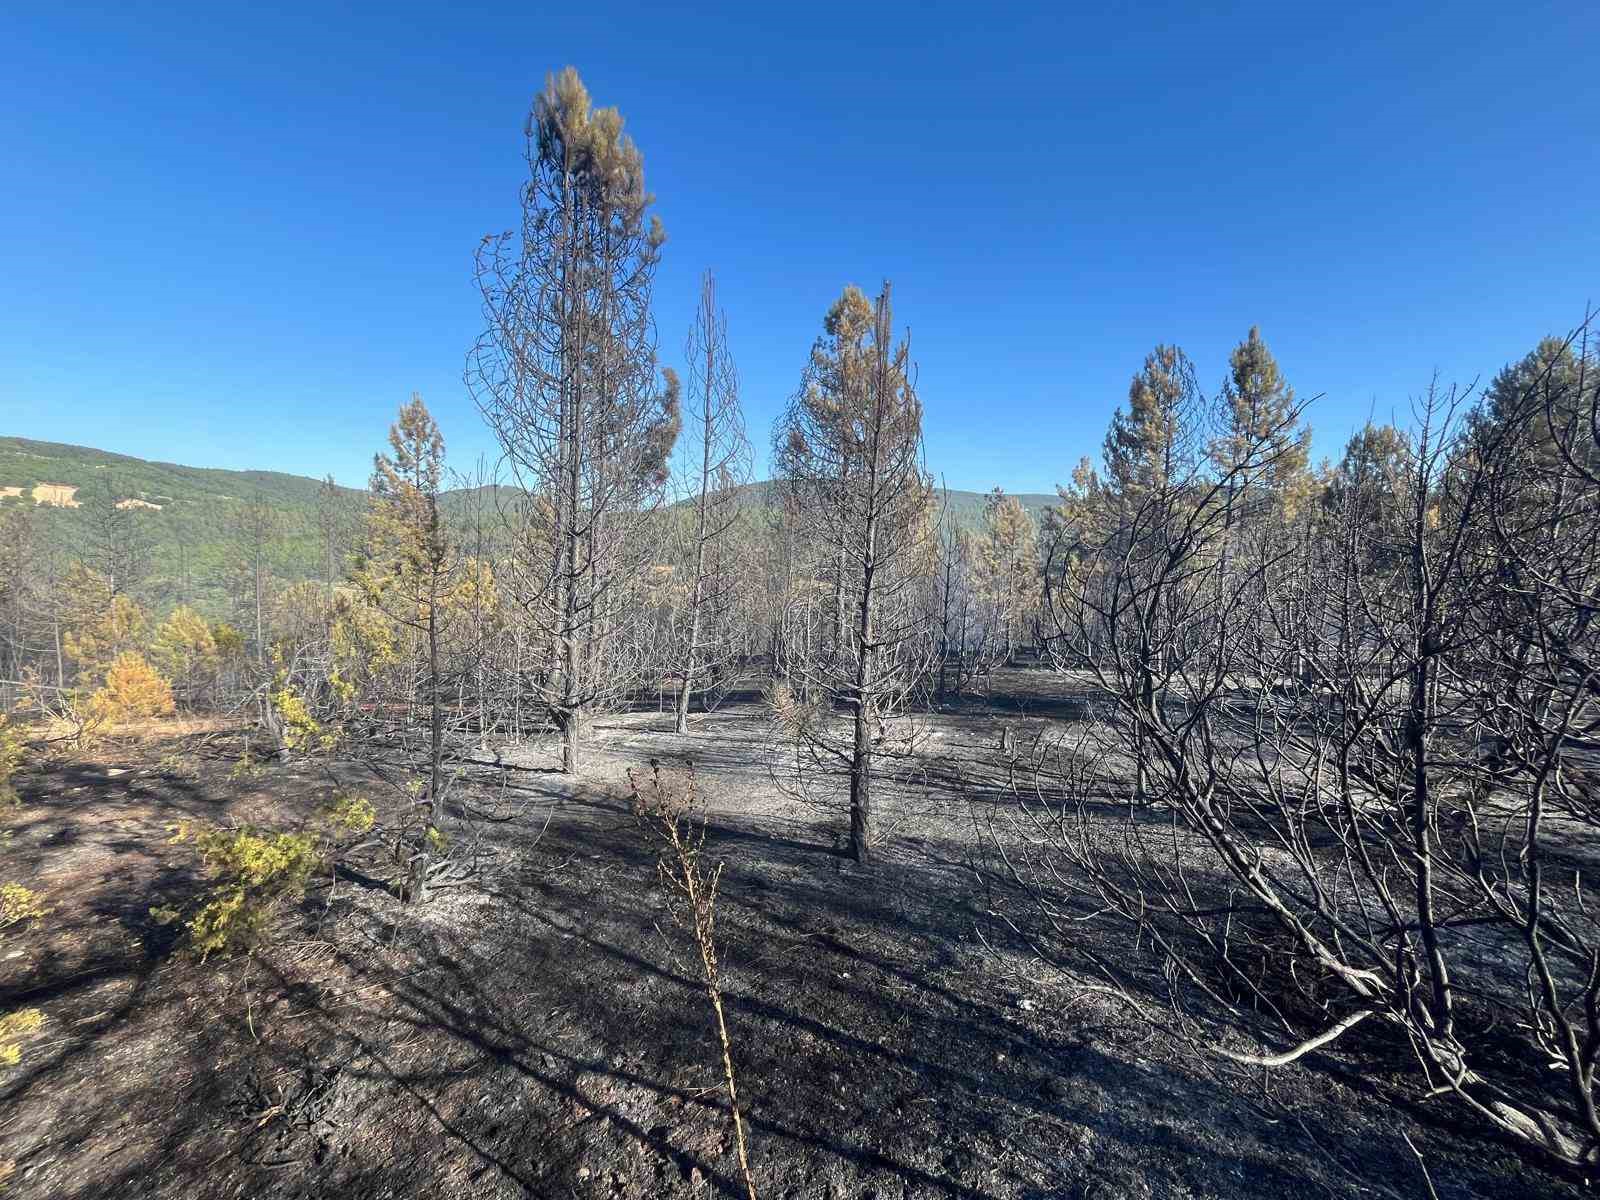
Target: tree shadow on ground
(547, 1034)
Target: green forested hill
(193, 536)
(24, 462)
(966, 508)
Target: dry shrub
(794, 713)
(666, 814)
(133, 689)
(64, 714)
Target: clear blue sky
(241, 236)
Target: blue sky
(241, 236)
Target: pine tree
(406, 571)
(1539, 400)
(836, 379)
(185, 651)
(333, 518)
(17, 550)
(257, 536)
(1368, 487)
(722, 465)
(1264, 443)
(1146, 443)
(565, 374)
(849, 454)
(132, 689)
(118, 544)
(1009, 564)
(97, 623)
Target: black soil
(543, 1031)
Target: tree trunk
(417, 891)
(861, 757)
(944, 621)
(695, 599)
(260, 649)
(572, 651)
(1417, 718)
(572, 437)
(571, 741)
(681, 721)
(861, 789)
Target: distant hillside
(24, 462)
(189, 514)
(966, 508)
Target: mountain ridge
(188, 513)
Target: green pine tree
(1144, 448)
(1263, 442)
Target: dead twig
(667, 818)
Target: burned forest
(692, 797)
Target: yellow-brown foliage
(133, 689)
(11, 752)
(300, 615)
(229, 642)
(365, 644)
(97, 625)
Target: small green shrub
(11, 753)
(301, 730)
(253, 874)
(352, 814)
(247, 767)
(18, 904)
(15, 1026)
